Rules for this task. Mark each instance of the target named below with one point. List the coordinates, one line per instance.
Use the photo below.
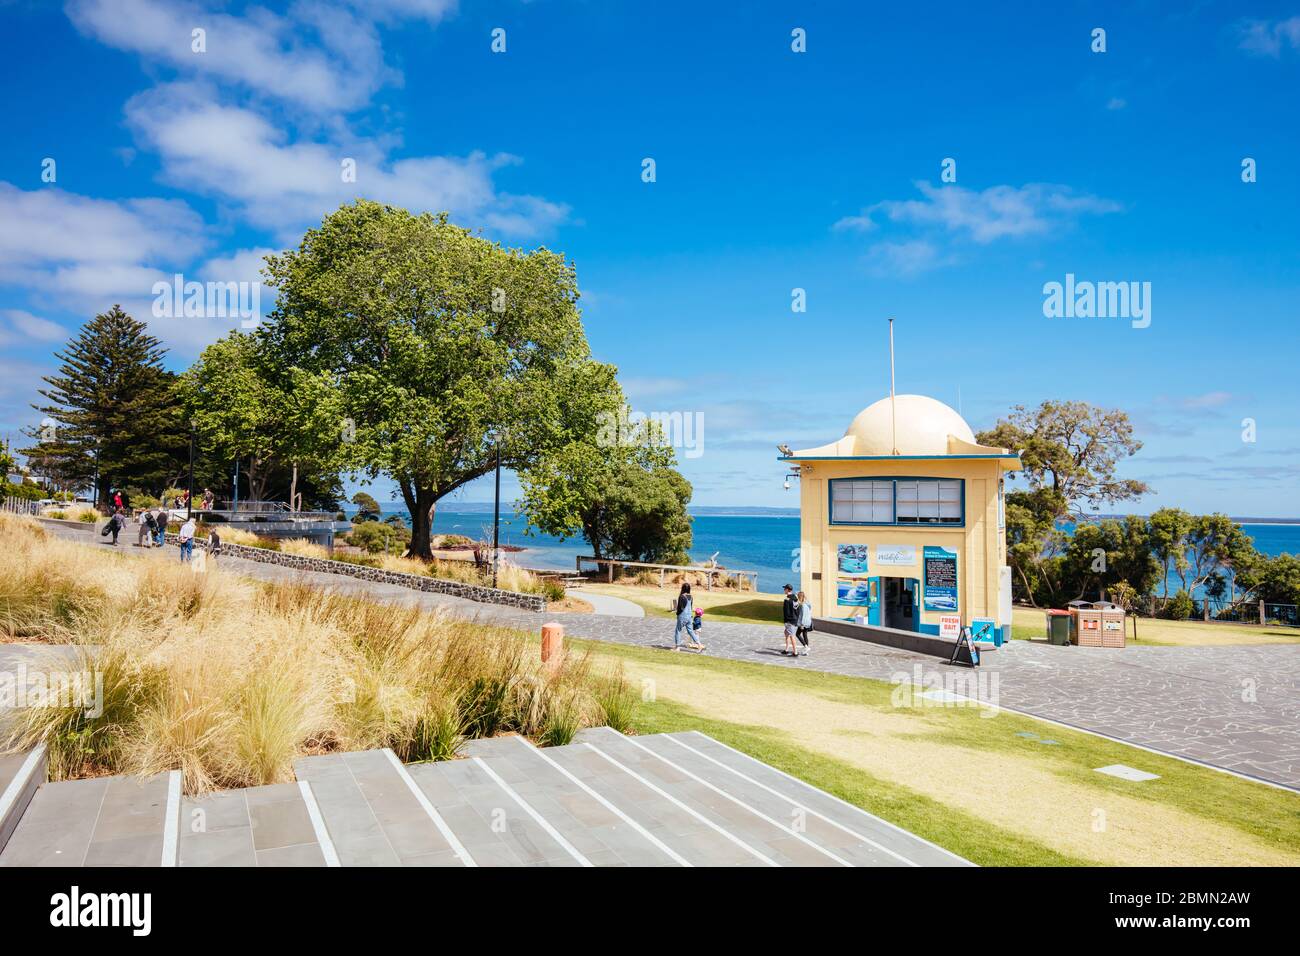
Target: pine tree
(114, 418)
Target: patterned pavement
(1237, 708)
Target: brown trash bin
(1096, 624)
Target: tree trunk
(422, 504)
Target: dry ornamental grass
(231, 680)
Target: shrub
(56, 515)
(379, 537)
(1180, 607)
(552, 589)
(24, 492)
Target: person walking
(685, 619)
(116, 524)
(144, 537)
(790, 621)
(214, 543)
(805, 622)
(160, 526)
(187, 540)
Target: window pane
(927, 509)
(883, 512)
(841, 490)
(882, 491)
(906, 491)
(950, 491)
(950, 510)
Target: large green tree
(615, 484)
(278, 423)
(1071, 452)
(1200, 549)
(440, 347)
(114, 414)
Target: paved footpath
(1236, 708)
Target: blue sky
(775, 170)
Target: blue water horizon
(764, 540)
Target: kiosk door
(873, 596)
(899, 603)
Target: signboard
(949, 625)
(985, 629)
(940, 579)
(852, 592)
(852, 559)
(895, 555)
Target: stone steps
(20, 776)
(603, 800)
(103, 821)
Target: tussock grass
(230, 680)
(304, 548)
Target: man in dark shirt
(790, 618)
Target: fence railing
(20, 506)
(745, 580)
(1234, 612)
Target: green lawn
(753, 607)
(999, 791)
(737, 607)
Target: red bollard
(552, 641)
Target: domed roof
(910, 425)
(922, 425)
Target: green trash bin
(1058, 627)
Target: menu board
(940, 579)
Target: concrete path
(608, 604)
(603, 800)
(1235, 708)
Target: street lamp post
(496, 518)
(189, 498)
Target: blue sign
(940, 579)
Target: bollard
(552, 641)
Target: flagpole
(893, 406)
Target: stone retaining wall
(416, 582)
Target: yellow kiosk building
(902, 523)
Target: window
(897, 501)
(862, 502)
(929, 502)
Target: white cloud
(984, 216)
(85, 255)
(51, 226)
(239, 155)
(905, 259)
(322, 56)
(1269, 38)
(30, 326)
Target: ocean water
(762, 543)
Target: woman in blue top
(685, 619)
